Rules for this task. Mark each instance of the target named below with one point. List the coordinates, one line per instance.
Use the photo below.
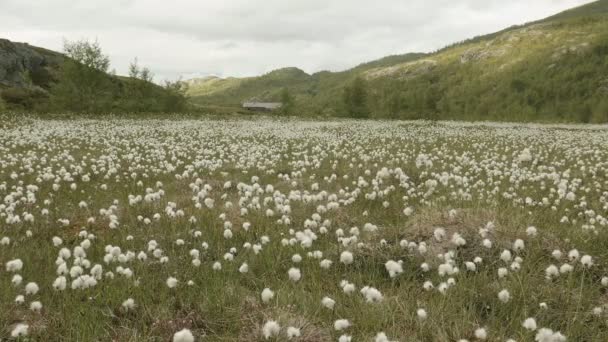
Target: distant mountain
(555, 69)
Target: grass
(485, 182)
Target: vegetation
(421, 231)
(287, 102)
(355, 99)
(551, 70)
(83, 84)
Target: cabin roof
(265, 105)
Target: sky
(194, 38)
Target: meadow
(273, 230)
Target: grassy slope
(36, 95)
(542, 70)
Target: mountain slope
(555, 69)
(33, 78)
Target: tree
(84, 85)
(175, 97)
(88, 54)
(355, 99)
(287, 102)
(134, 69)
(143, 74)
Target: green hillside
(554, 69)
(37, 79)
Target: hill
(33, 78)
(555, 69)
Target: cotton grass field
(255, 230)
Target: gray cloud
(245, 37)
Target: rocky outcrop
(404, 70)
(25, 66)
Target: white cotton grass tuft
(529, 324)
(422, 314)
(183, 335)
(345, 338)
(587, 261)
(36, 306)
(548, 335)
(346, 258)
(481, 334)
(371, 294)
(128, 304)
(294, 274)
(328, 302)
(341, 324)
(20, 330)
(504, 296)
(292, 332)
(172, 282)
(267, 295)
(14, 265)
(394, 268)
(271, 329)
(16, 280)
(381, 337)
(31, 288)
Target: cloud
(245, 37)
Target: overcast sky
(249, 37)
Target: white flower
(16, 280)
(244, 268)
(128, 304)
(481, 334)
(547, 335)
(294, 274)
(573, 255)
(60, 283)
(506, 255)
(381, 337)
(14, 265)
(296, 258)
(172, 282)
(36, 306)
(346, 258)
(371, 294)
(531, 231)
(183, 335)
(551, 272)
(341, 324)
(529, 324)
(328, 302)
(587, 261)
(325, 264)
(518, 245)
(293, 332)
(422, 314)
(394, 268)
(270, 329)
(504, 296)
(31, 288)
(345, 338)
(20, 329)
(267, 295)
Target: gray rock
(20, 60)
